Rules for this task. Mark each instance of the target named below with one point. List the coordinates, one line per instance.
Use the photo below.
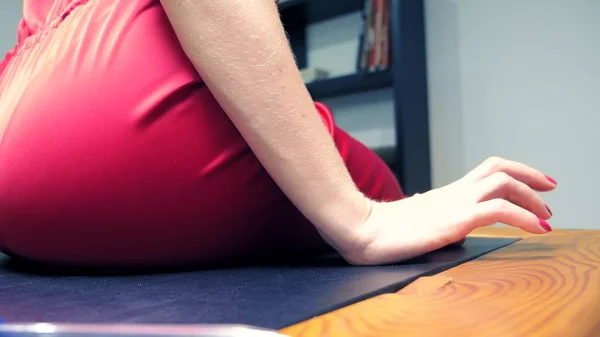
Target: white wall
(515, 78)
(10, 13)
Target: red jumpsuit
(114, 152)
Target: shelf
(299, 13)
(386, 153)
(349, 84)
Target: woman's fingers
(500, 210)
(528, 175)
(502, 186)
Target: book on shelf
(374, 51)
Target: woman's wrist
(341, 223)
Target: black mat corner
(269, 296)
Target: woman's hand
(496, 191)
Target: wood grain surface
(540, 286)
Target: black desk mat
(269, 296)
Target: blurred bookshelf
(349, 84)
(391, 54)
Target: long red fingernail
(545, 225)
(550, 179)
(548, 208)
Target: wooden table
(545, 285)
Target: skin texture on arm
(240, 49)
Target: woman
(146, 132)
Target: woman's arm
(240, 49)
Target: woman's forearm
(240, 49)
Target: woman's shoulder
(126, 34)
(125, 50)
(23, 31)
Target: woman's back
(114, 152)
